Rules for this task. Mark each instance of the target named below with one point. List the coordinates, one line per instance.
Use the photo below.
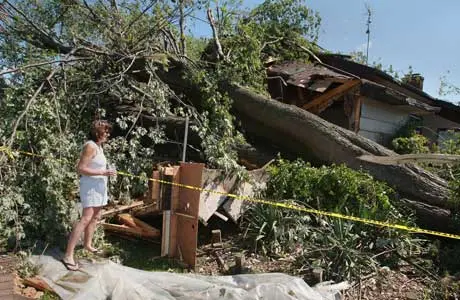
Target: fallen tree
(333, 144)
(312, 137)
(297, 130)
(123, 62)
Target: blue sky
(418, 33)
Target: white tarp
(108, 280)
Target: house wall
(432, 123)
(379, 121)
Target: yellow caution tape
(8, 151)
(273, 203)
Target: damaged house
(361, 98)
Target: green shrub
(341, 248)
(335, 188)
(415, 143)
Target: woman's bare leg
(76, 233)
(91, 228)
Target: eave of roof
(388, 95)
(373, 74)
(307, 74)
(301, 74)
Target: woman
(93, 190)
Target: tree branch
(137, 118)
(168, 35)
(270, 42)
(95, 16)
(159, 25)
(44, 36)
(143, 93)
(182, 27)
(139, 17)
(220, 53)
(113, 4)
(28, 105)
(22, 68)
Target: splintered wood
(185, 195)
(180, 220)
(132, 226)
(118, 209)
(217, 185)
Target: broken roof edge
(301, 74)
(296, 68)
(390, 96)
(449, 110)
(367, 70)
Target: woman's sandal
(69, 266)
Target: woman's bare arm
(89, 151)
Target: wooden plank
(216, 181)
(121, 208)
(170, 241)
(126, 219)
(338, 91)
(221, 216)
(320, 108)
(134, 222)
(320, 85)
(236, 207)
(175, 189)
(146, 227)
(357, 112)
(165, 233)
(123, 229)
(173, 228)
(191, 174)
(189, 204)
(38, 284)
(6, 286)
(153, 194)
(150, 209)
(170, 192)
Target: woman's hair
(98, 127)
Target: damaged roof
(319, 76)
(304, 74)
(446, 109)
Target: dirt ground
(10, 281)
(223, 259)
(385, 284)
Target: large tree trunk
(334, 144)
(313, 137)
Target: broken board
(217, 182)
(236, 207)
(180, 220)
(187, 212)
